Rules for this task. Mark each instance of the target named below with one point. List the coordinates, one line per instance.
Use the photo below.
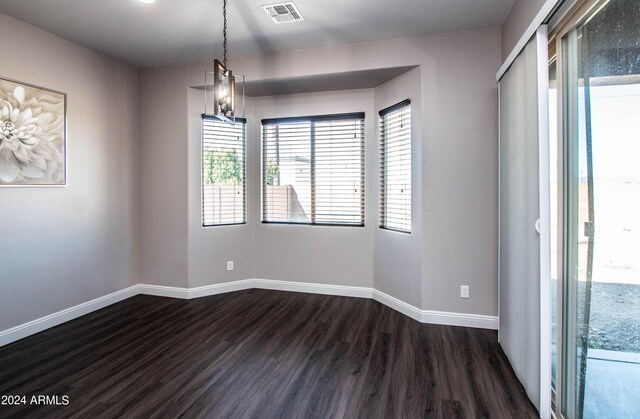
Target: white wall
(60, 247)
(457, 180)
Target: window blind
(223, 172)
(395, 167)
(313, 170)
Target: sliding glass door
(597, 341)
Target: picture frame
(33, 135)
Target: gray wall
(397, 256)
(64, 246)
(460, 175)
(519, 18)
(163, 177)
(456, 211)
(60, 247)
(319, 254)
(211, 247)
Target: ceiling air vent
(283, 12)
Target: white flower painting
(32, 135)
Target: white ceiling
(185, 31)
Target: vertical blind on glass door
(223, 172)
(395, 167)
(313, 170)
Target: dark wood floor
(261, 354)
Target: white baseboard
(266, 284)
(63, 316)
(423, 316)
(189, 293)
(164, 291)
(448, 318)
(437, 317)
(398, 305)
(341, 290)
(223, 288)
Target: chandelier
(224, 83)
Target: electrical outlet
(464, 291)
(229, 265)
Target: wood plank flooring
(260, 354)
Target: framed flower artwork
(32, 135)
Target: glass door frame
(560, 37)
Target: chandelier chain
(224, 33)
